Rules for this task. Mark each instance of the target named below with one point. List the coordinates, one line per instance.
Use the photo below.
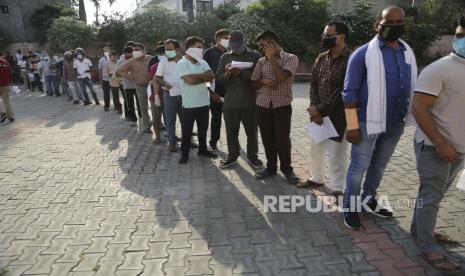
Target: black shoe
(57, 95)
(226, 163)
(292, 178)
(2, 117)
(97, 103)
(163, 128)
(11, 119)
(208, 154)
(256, 164)
(106, 109)
(183, 160)
(213, 146)
(351, 220)
(87, 103)
(265, 173)
(377, 210)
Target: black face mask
(391, 32)
(328, 43)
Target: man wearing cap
(239, 100)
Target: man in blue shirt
(194, 73)
(371, 151)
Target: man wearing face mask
(239, 100)
(70, 76)
(104, 78)
(327, 83)
(194, 73)
(129, 87)
(212, 57)
(83, 68)
(136, 69)
(439, 144)
(169, 82)
(378, 86)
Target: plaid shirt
(282, 94)
(69, 73)
(138, 69)
(326, 88)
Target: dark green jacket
(239, 91)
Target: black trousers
(132, 101)
(216, 110)
(188, 117)
(275, 129)
(106, 93)
(116, 101)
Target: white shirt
(102, 64)
(82, 67)
(167, 70)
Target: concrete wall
(18, 22)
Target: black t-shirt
(212, 57)
(152, 62)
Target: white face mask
(224, 43)
(80, 56)
(195, 53)
(106, 54)
(137, 54)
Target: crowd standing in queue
(369, 95)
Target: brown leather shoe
(173, 148)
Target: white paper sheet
(241, 65)
(461, 182)
(320, 133)
(149, 91)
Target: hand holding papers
(241, 65)
(321, 132)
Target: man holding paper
(234, 72)
(379, 81)
(326, 101)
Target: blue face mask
(171, 53)
(459, 46)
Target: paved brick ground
(82, 193)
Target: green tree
(298, 23)
(225, 11)
(42, 18)
(97, 9)
(249, 23)
(156, 23)
(68, 33)
(112, 32)
(205, 26)
(360, 21)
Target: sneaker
(106, 109)
(292, 178)
(351, 220)
(207, 153)
(256, 164)
(156, 141)
(2, 117)
(226, 163)
(76, 102)
(172, 148)
(265, 173)
(376, 210)
(183, 160)
(147, 131)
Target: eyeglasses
(460, 35)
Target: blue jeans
(49, 80)
(436, 176)
(87, 82)
(172, 106)
(371, 156)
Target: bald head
(391, 15)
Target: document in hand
(320, 133)
(241, 65)
(461, 182)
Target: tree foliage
(42, 18)
(112, 32)
(156, 23)
(225, 11)
(205, 26)
(249, 23)
(68, 33)
(298, 23)
(360, 21)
